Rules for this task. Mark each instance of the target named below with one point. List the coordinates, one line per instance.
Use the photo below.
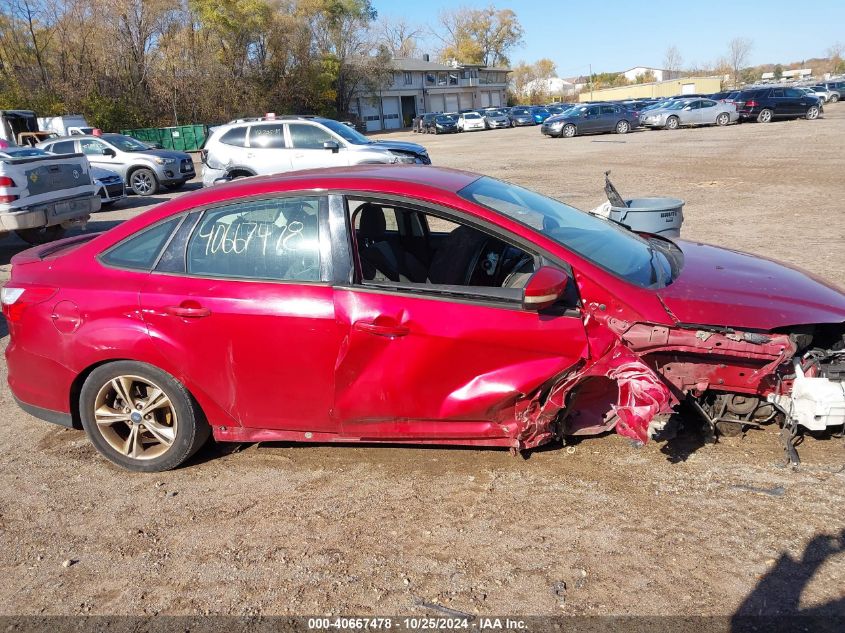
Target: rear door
(240, 296)
(267, 151)
(446, 361)
(609, 116)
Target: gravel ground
(674, 529)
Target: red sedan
(406, 304)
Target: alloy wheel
(722, 119)
(813, 113)
(143, 182)
(135, 417)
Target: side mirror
(544, 288)
(108, 151)
(332, 145)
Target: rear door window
(62, 147)
(276, 239)
(267, 136)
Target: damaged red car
(407, 304)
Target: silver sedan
(690, 112)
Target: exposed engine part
(731, 414)
(815, 402)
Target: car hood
(727, 288)
(163, 153)
(401, 146)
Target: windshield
(541, 111)
(345, 132)
(676, 105)
(519, 111)
(493, 112)
(443, 119)
(472, 115)
(125, 143)
(621, 252)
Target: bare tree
(672, 60)
(398, 35)
(739, 51)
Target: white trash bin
(661, 216)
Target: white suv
(274, 145)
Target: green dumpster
(185, 138)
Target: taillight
(16, 300)
(5, 181)
(751, 104)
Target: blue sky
(615, 35)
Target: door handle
(189, 310)
(382, 328)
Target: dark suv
(767, 104)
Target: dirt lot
(673, 529)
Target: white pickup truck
(42, 194)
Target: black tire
(765, 116)
(192, 430)
(42, 234)
(568, 131)
(623, 127)
(723, 119)
(673, 123)
(143, 182)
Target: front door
(450, 357)
(93, 150)
(308, 151)
(591, 120)
(266, 151)
(238, 299)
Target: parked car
(594, 118)
(539, 114)
(424, 122)
(690, 112)
(470, 121)
(495, 119)
(170, 327)
(41, 195)
(837, 88)
(521, 116)
(441, 124)
(145, 170)
(272, 146)
(109, 186)
(68, 125)
(766, 104)
(826, 94)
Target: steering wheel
(523, 262)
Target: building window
(441, 79)
(430, 79)
(409, 79)
(453, 79)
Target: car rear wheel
(568, 131)
(673, 123)
(143, 182)
(623, 127)
(812, 113)
(723, 119)
(140, 417)
(765, 116)
(41, 234)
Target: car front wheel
(812, 113)
(140, 417)
(143, 182)
(673, 123)
(568, 131)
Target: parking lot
(679, 528)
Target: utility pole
(591, 82)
